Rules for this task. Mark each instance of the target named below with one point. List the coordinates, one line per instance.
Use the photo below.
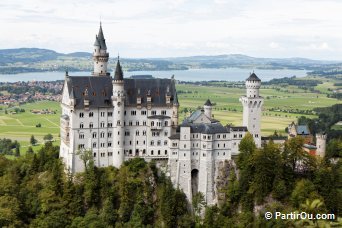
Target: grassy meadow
(21, 126)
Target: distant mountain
(35, 59)
(80, 54)
(26, 55)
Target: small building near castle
(303, 131)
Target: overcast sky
(167, 28)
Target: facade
(198, 148)
(117, 118)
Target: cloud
(274, 45)
(317, 46)
(177, 27)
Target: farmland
(21, 126)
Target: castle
(121, 118)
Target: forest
(36, 192)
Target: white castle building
(116, 118)
(121, 118)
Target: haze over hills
(37, 60)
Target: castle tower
(321, 141)
(252, 107)
(175, 108)
(100, 55)
(118, 100)
(208, 109)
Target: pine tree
(33, 141)
(30, 150)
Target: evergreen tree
(48, 137)
(30, 150)
(17, 151)
(33, 141)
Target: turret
(208, 109)
(252, 107)
(321, 141)
(118, 100)
(253, 84)
(175, 106)
(100, 55)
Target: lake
(227, 74)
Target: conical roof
(208, 103)
(118, 71)
(101, 39)
(96, 43)
(253, 77)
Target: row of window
(193, 154)
(109, 154)
(130, 142)
(102, 145)
(130, 123)
(235, 136)
(130, 153)
(102, 124)
(91, 114)
(158, 143)
(133, 113)
(144, 112)
(109, 144)
(94, 135)
(159, 124)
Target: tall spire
(100, 54)
(118, 71)
(101, 39)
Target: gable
(65, 94)
(202, 118)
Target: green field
(21, 126)
(227, 109)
